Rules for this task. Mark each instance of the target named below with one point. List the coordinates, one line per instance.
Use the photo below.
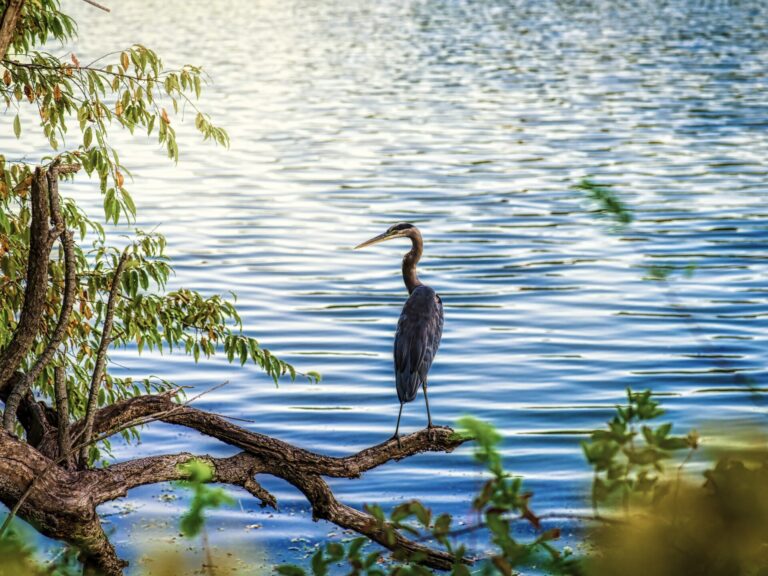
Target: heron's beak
(376, 240)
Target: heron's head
(403, 229)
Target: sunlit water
(473, 120)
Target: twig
(97, 5)
(101, 357)
(548, 516)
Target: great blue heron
(420, 326)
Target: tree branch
(262, 455)
(238, 470)
(101, 358)
(10, 18)
(70, 284)
(62, 409)
(37, 281)
(111, 417)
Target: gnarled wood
(37, 281)
(63, 439)
(71, 515)
(110, 417)
(22, 385)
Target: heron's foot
(430, 431)
(397, 437)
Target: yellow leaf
(56, 93)
(119, 108)
(7, 78)
(22, 187)
(124, 60)
(164, 116)
(119, 178)
(75, 61)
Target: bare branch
(110, 417)
(101, 358)
(97, 5)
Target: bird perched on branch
(420, 326)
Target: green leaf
(289, 570)
(319, 567)
(17, 126)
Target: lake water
(473, 120)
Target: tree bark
(23, 385)
(37, 281)
(62, 410)
(10, 18)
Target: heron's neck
(411, 259)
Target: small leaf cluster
(198, 474)
(416, 520)
(628, 457)
(663, 273)
(358, 562)
(410, 517)
(608, 202)
(502, 501)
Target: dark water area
(474, 120)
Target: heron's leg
(397, 428)
(429, 418)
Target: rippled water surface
(473, 120)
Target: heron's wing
(419, 331)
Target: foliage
(609, 204)
(78, 105)
(18, 556)
(199, 473)
(719, 528)
(662, 273)
(501, 502)
(627, 457)
(131, 91)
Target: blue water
(473, 120)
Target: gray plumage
(419, 330)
